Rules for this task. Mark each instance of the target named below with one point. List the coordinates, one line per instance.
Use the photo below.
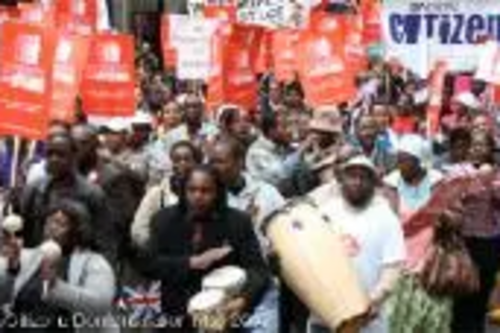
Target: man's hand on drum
(234, 308)
(208, 258)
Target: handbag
(448, 269)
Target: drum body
(315, 265)
(205, 309)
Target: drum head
(206, 301)
(226, 278)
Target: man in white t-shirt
(372, 235)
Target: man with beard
(370, 231)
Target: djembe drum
(218, 287)
(315, 265)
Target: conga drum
(315, 265)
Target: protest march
(250, 166)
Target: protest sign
(70, 59)
(77, 16)
(109, 77)
(168, 51)
(284, 45)
(371, 11)
(27, 56)
(489, 63)
(191, 40)
(274, 13)
(323, 67)
(36, 13)
(421, 32)
(232, 77)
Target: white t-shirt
(373, 235)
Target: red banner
(27, 57)
(371, 12)
(77, 16)
(35, 13)
(169, 52)
(233, 78)
(323, 65)
(109, 78)
(70, 59)
(284, 50)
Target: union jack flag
(141, 303)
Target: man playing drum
(371, 233)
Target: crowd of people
(179, 190)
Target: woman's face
(480, 149)
(58, 228)
(183, 161)
(171, 115)
(201, 192)
(481, 123)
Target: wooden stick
(15, 161)
(31, 150)
(16, 151)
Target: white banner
(419, 33)
(191, 37)
(274, 13)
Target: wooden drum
(315, 265)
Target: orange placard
(323, 67)
(264, 59)
(233, 79)
(284, 45)
(109, 77)
(35, 13)
(371, 12)
(70, 60)
(8, 13)
(27, 57)
(77, 16)
(169, 52)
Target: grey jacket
(89, 291)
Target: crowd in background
(115, 193)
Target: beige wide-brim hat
(326, 119)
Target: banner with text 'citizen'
(419, 33)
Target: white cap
(360, 161)
(118, 124)
(414, 145)
(142, 118)
(467, 99)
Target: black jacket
(41, 194)
(171, 248)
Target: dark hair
(79, 218)
(221, 196)
(294, 86)
(65, 136)
(459, 134)
(228, 116)
(197, 154)
(269, 121)
(235, 147)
